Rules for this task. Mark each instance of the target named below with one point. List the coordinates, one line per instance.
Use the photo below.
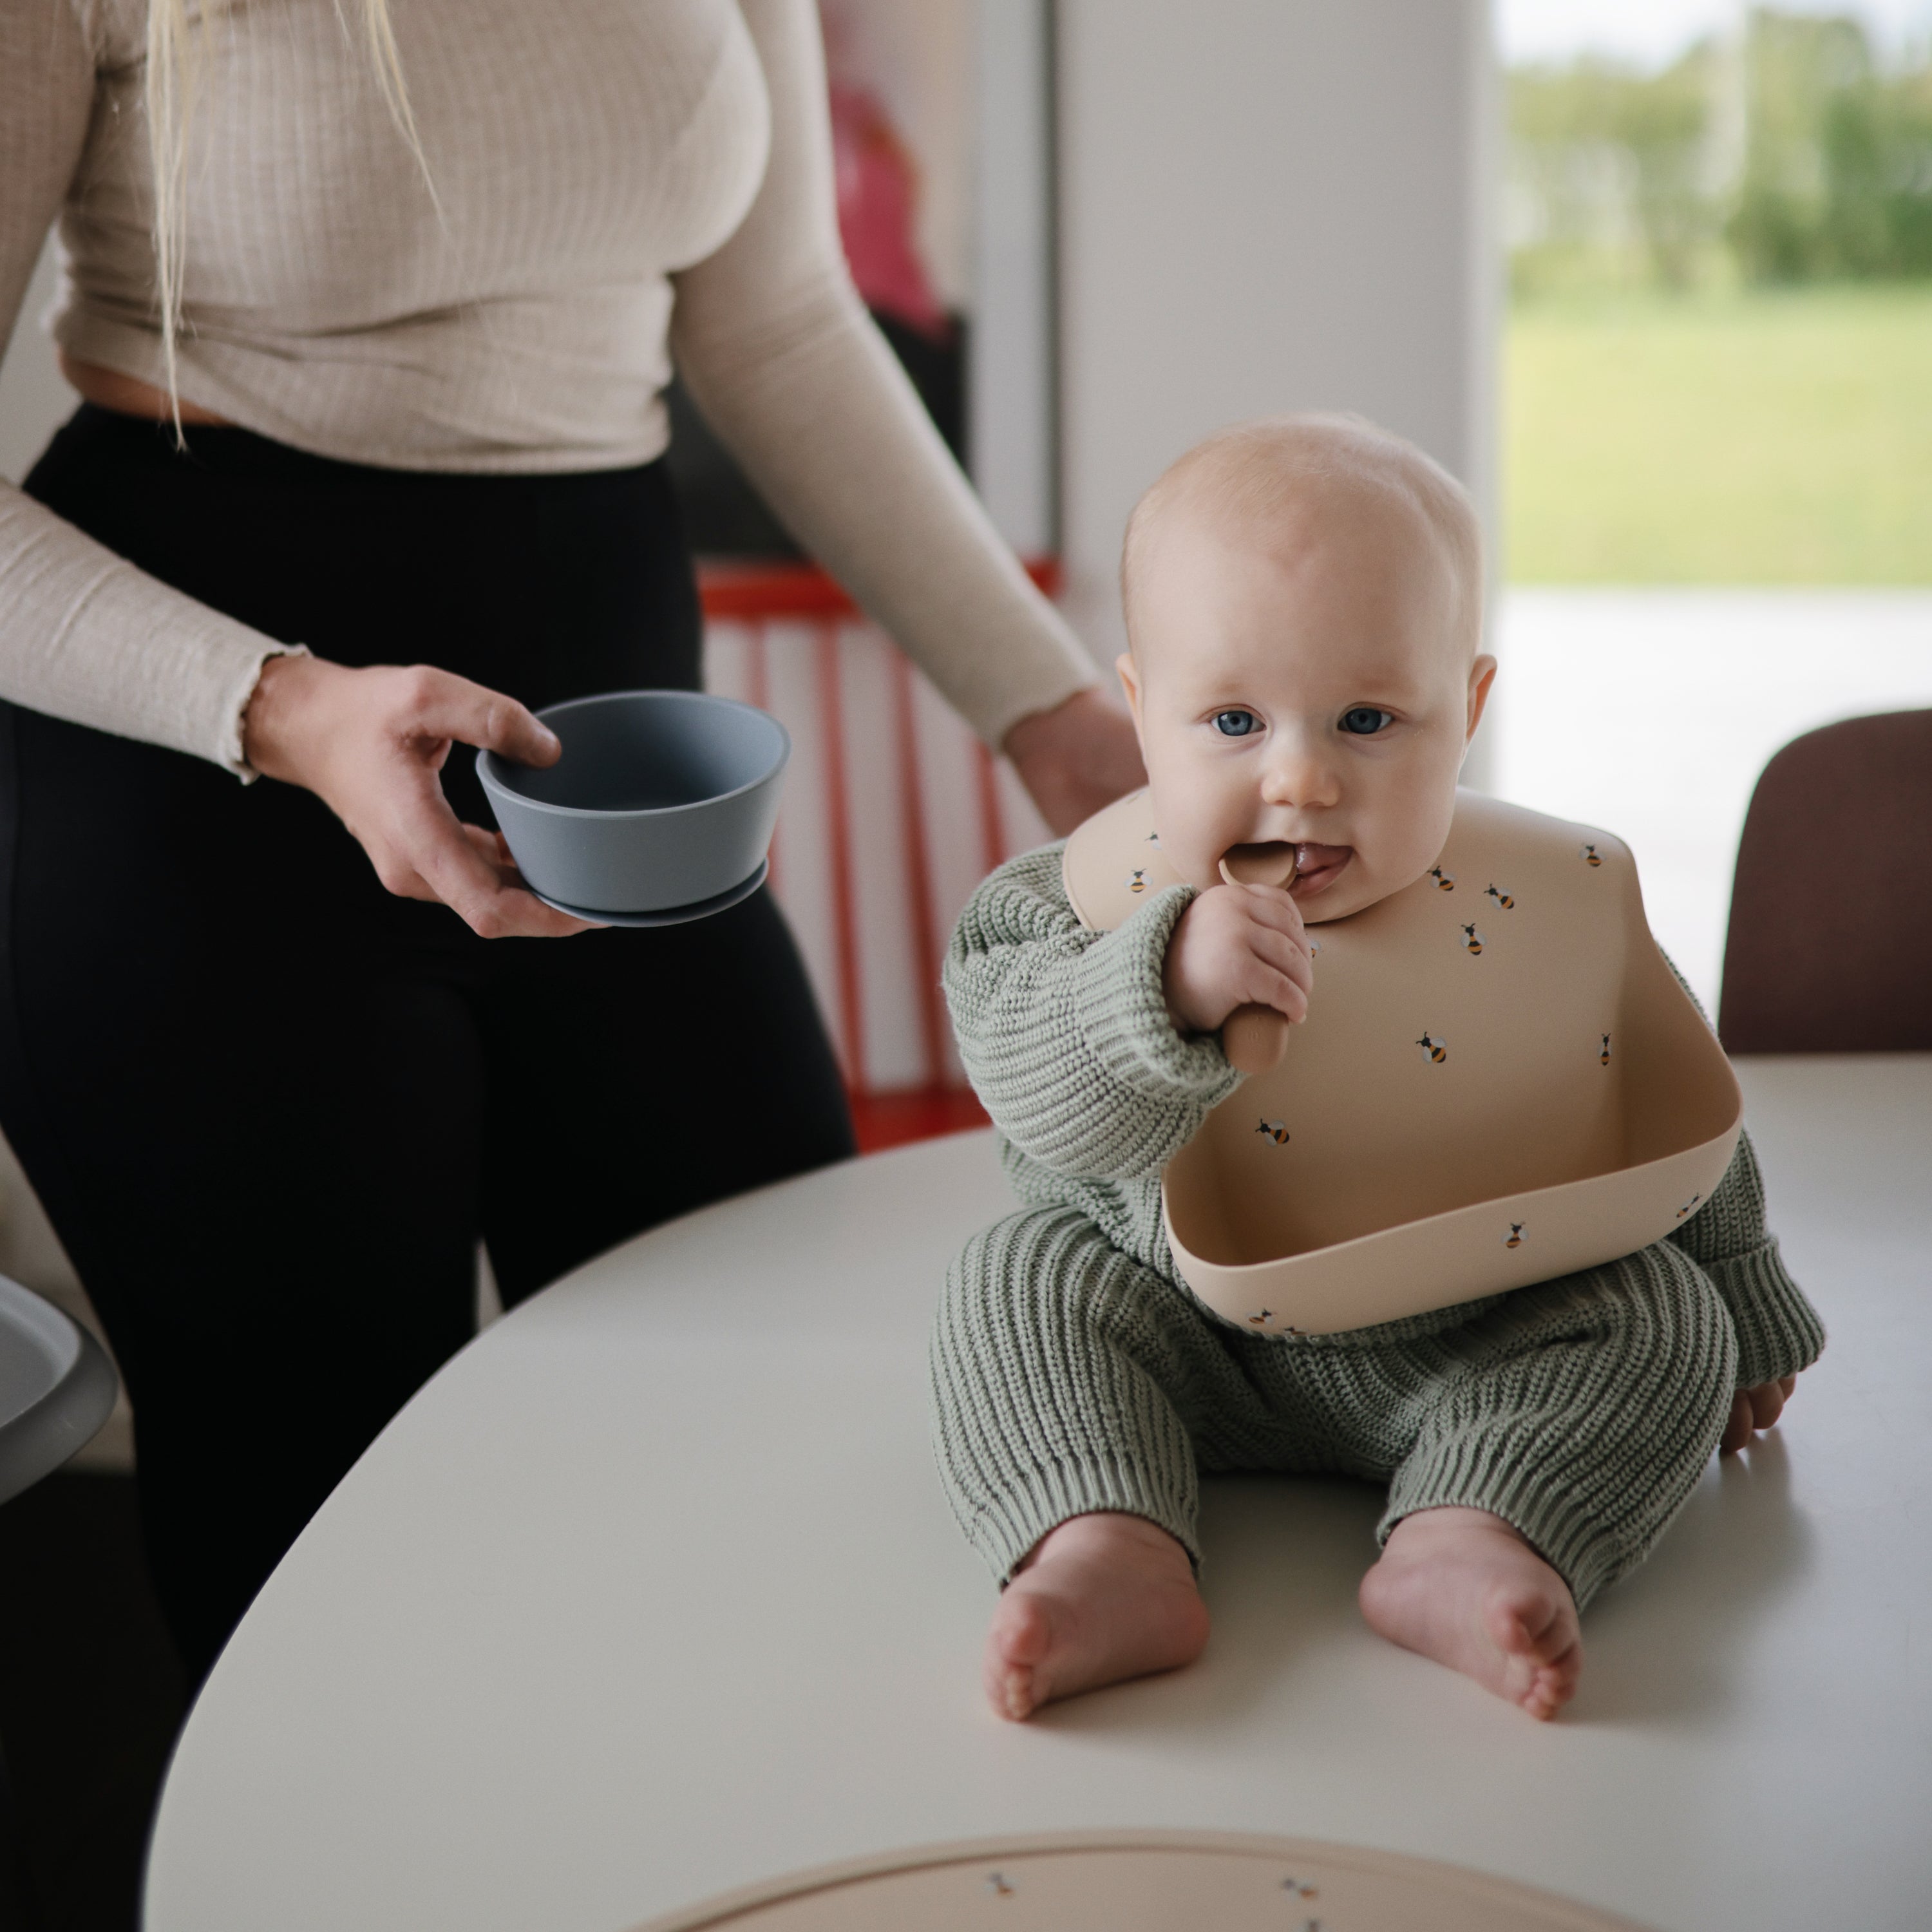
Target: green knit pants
(1068, 1377)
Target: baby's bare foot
(1462, 1587)
(1102, 1598)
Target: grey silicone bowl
(661, 799)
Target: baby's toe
(1016, 1647)
(1017, 1700)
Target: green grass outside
(1758, 436)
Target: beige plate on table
(1143, 1881)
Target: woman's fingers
(438, 705)
(491, 846)
(371, 743)
(424, 841)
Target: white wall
(1266, 205)
(1010, 384)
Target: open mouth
(1318, 867)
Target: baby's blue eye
(1365, 720)
(1236, 724)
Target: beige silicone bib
(1499, 1081)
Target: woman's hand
(370, 744)
(1081, 755)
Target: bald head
(1282, 482)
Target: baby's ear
(1482, 676)
(1129, 673)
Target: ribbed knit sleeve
(83, 635)
(777, 348)
(1065, 1033)
(1779, 1332)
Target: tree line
(1788, 152)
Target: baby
(1304, 606)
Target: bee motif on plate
(1276, 1131)
(1434, 1049)
(1137, 879)
(1506, 900)
(1445, 882)
(1473, 941)
(1688, 1205)
(1589, 855)
(1514, 1238)
(1605, 1055)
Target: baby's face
(1310, 689)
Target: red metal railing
(793, 598)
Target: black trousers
(271, 1108)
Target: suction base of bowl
(671, 915)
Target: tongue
(1310, 857)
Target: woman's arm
(83, 635)
(775, 346)
(86, 636)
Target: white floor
(1652, 713)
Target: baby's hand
(1753, 1409)
(1237, 946)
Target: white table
(652, 1594)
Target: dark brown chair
(1830, 947)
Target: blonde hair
(1255, 472)
(175, 54)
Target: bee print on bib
(1154, 838)
(1137, 879)
(1473, 941)
(997, 1884)
(1604, 1056)
(1445, 882)
(1435, 1048)
(1513, 1239)
(1274, 1130)
(1506, 900)
(1264, 1318)
(1589, 855)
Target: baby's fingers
(1260, 984)
(1273, 906)
(1287, 955)
(1753, 1409)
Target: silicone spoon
(1255, 1037)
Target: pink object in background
(878, 184)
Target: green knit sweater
(1065, 1034)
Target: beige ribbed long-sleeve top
(618, 185)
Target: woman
(415, 303)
